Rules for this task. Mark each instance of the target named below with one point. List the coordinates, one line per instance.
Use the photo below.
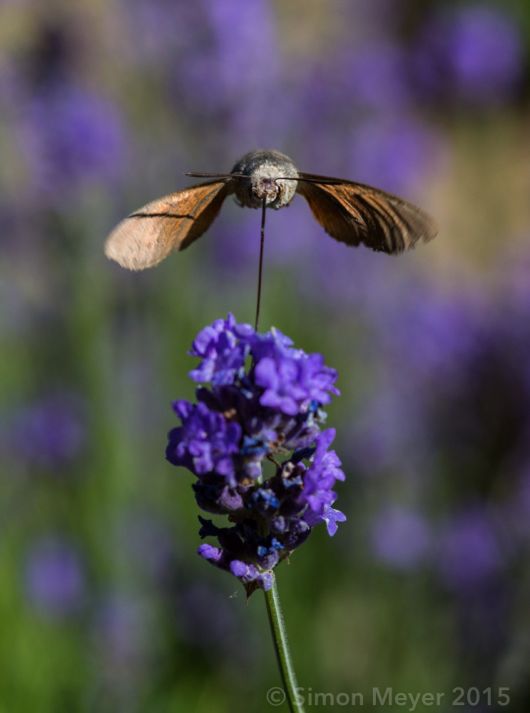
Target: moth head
(268, 176)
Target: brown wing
(354, 213)
(173, 222)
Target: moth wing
(173, 222)
(354, 213)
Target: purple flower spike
(73, 137)
(400, 537)
(264, 399)
(55, 577)
(473, 53)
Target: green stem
(281, 646)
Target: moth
(350, 212)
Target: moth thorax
(269, 177)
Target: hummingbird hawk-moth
(350, 212)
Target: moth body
(266, 171)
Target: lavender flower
(72, 137)
(401, 537)
(471, 53)
(55, 580)
(470, 553)
(48, 433)
(264, 404)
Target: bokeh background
(104, 605)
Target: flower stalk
(281, 646)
